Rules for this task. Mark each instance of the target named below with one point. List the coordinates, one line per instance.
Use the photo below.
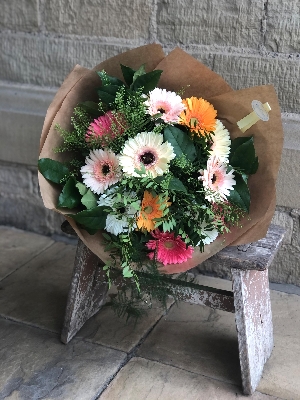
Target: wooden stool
(249, 300)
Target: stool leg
(87, 291)
(253, 318)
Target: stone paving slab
(191, 339)
(108, 329)
(18, 247)
(34, 364)
(198, 339)
(142, 379)
(37, 293)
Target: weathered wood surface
(199, 294)
(257, 256)
(253, 318)
(87, 292)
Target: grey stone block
(35, 365)
(15, 180)
(29, 213)
(46, 61)
(242, 71)
(21, 204)
(22, 112)
(284, 219)
(282, 26)
(286, 266)
(21, 133)
(291, 128)
(20, 15)
(210, 22)
(123, 19)
(288, 181)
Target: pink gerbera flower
(168, 249)
(101, 170)
(105, 128)
(169, 104)
(217, 181)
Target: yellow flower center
(148, 209)
(169, 244)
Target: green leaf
(107, 94)
(94, 219)
(177, 185)
(53, 170)
(127, 272)
(90, 107)
(240, 196)
(141, 71)
(254, 167)
(70, 196)
(147, 81)
(82, 188)
(106, 236)
(91, 231)
(109, 80)
(182, 144)
(242, 155)
(89, 200)
(128, 74)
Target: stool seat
(249, 299)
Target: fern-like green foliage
(131, 105)
(132, 302)
(74, 140)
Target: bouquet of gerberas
(152, 162)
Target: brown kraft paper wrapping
(180, 70)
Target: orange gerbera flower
(199, 115)
(150, 209)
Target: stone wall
(247, 42)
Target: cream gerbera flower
(169, 104)
(148, 149)
(221, 142)
(216, 181)
(123, 216)
(101, 170)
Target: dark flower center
(147, 158)
(161, 110)
(121, 210)
(105, 169)
(214, 178)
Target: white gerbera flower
(101, 170)
(169, 104)
(146, 148)
(216, 181)
(211, 234)
(221, 142)
(118, 222)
